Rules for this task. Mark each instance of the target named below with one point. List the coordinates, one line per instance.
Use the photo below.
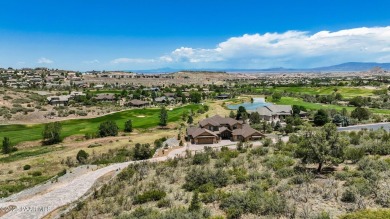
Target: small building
(137, 103)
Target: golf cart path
(30, 204)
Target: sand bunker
(141, 116)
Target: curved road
(63, 193)
(373, 126)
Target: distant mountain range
(344, 67)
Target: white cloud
(95, 61)
(130, 60)
(292, 48)
(44, 61)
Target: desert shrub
(354, 153)
(301, 178)
(201, 159)
(373, 164)
(284, 172)
(278, 161)
(151, 195)
(348, 196)
(255, 202)
(198, 177)
(126, 174)
(240, 175)
(164, 203)
(61, 173)
(267, 142)
(82, 156)
(26, 167)
(260, 151)
(81, 113)
(36, 173)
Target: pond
(257, 102)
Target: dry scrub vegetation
(262, 182)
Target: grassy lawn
(20, 133)
(317, 106)
(347, 92)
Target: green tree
(142, 151)
(190, 120)
(108, 128)
(195, 97)
(254, 118)
(296, 110)
(163, 117)
(360, 113)
(128, 126)
(52, 133)
(321, 118)
(240, 112)
(276, 96)
(357, 101)
(321, 145)
(6, 146)
(82, 156)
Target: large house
(274, 112)
(213, 129)
(137, 103)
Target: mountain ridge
(343, 67)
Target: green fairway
(347, 92)
(317, 106)
(142, 118)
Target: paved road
(374, 126)
(68, 191)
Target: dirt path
(36, 203)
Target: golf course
(347, 92)
(141, 118)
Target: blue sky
(149, 34)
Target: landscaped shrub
(151, 195)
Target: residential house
(274, 112)
(137, 103)
(105, 97)
(213, 129)
(62, 100)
